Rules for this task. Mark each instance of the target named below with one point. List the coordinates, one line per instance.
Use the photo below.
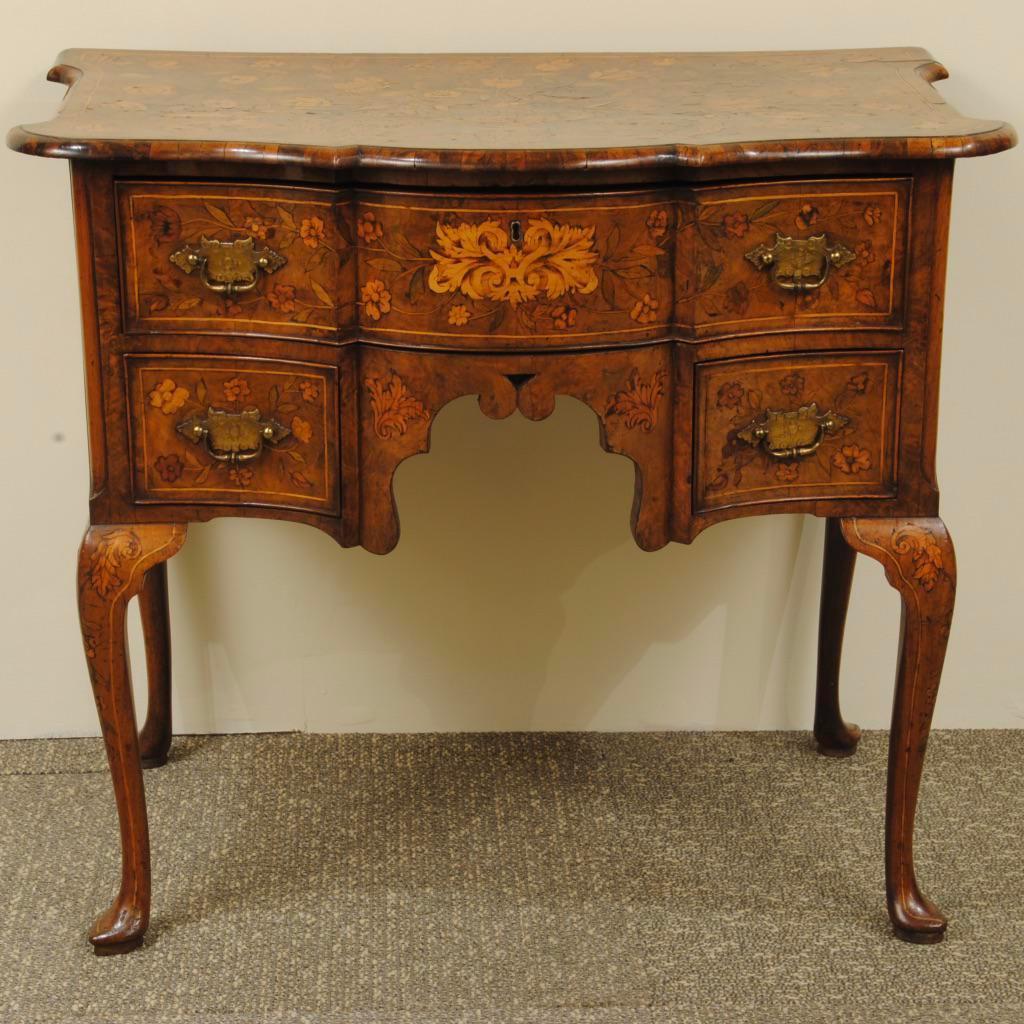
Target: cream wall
(516, 598)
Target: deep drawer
(812, 425)
(212, 430)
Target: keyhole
(517, 231)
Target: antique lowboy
(289, 264)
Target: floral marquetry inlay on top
(559, 113)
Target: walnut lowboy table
(290, 263)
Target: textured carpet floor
(506, 878)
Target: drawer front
(301, 233)
(796, 427)
(211, 430)
(478, 272)
(844, 267)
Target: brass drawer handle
(228, 268)
(792, 435)
(800, 264)
(233, 436)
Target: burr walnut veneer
(289, 265)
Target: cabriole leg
(112, 564)
(155, 738)
(917, 555)
(835, 737)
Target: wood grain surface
(524, 113)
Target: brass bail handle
(792, 435)
(228, 268)
(800, 264)
(233, 436)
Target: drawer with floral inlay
(211, 430)
(250, 259)
(792, 255)
(815, 425)
(495, 272)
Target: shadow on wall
(516, 599)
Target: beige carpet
(507, 878)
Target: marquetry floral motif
(733, 404)
(293, 465)
(168, 397)
(657, 224)
(458, 315)
(645, 310)
(236, 389)
(169, 467)
(260, 228)
(807, 216)
(792, 384)
(369, 228)
(724, 287)
(282, 297)
(858, 383)
(304, 290)
(376, 299)
(851, 459)
(730, 394)
(736, 225)
(563, 317)
(481, 262)
(865, 253)
(393, 406)
(311, 231)
(638, 401)
(302, 429)
(165, 224)
(108, 559)
(925, 554)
